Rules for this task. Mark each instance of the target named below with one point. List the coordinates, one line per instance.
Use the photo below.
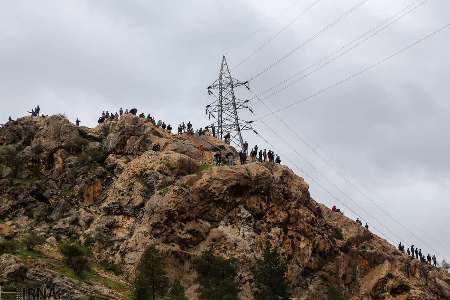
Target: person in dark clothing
(10, 119)
(242, 157)
(417, 253)
(77, 122)
(265, 155)
(260, 156)
(358, 221)
(217, 159)
(245, 149)
(121, 111)
(227, 138)
(412, 250)
(367, 226)
(163, 126)
(133, 111)
(408, 252)
(169, 128)
(213, 128)
(37, 110)
(420, 253)
(101, 120)
(156, 148)
(429, 259)
(180, 129)
(434, 260)
(278, 160)
(126, 111)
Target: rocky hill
(107, 189)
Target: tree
(31, 240)
(177, 292)
(151, 280)
(76, 257)
(269, 275)
(216, 277)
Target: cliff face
(105, 188)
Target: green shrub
(203, 168)
(151, 280)
(8, 246)
(76, 257)
(111, 267)
(177, 292)
(31, 240)
(216, 277)
(269, 275)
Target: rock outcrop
(107, 189)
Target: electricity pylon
(225, 107)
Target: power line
(309, 40)
(412, 234)
(340, 52)
(359, 73)
(277, 34)
(329, 181)
(317, 182)
(261, 28)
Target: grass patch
(115, 285)
(25, 253)
(204, 168)
(164, 191)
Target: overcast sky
(377, 143)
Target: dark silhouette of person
(278, 160)
(367, 226)
(408, 252)
(434, 260)
(77, 122)
(156, 148)
(417, 253)
(121, 111)
(133, 111)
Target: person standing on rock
(429, 258)
(265, 155)
(121, 111)
(367, 226)
(412, 250)
(217, 159)
(417, 253)
(434, 260)
(77, 122)
(408, 252)
(245, 149)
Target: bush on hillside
(76, 257)
(216, 277)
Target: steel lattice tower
(225, 107)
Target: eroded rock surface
(105, 188)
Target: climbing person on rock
(278, 160)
